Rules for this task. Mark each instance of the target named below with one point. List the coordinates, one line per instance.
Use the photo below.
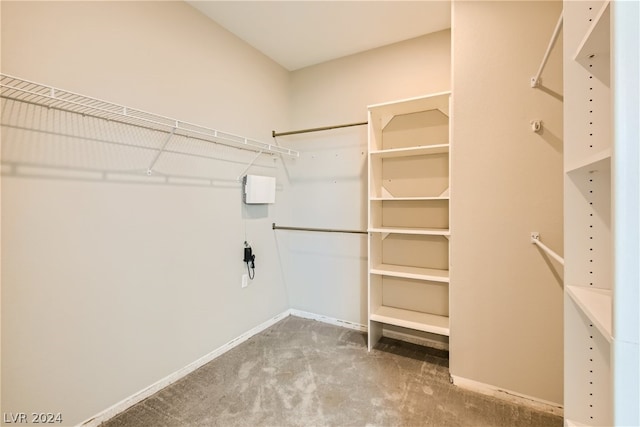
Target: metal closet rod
(535, 239)
(322, 230)
(293, 132)
(535, 81)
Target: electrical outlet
(245, 280)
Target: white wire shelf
(17, 89)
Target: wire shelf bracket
(157, 156)
(239, 178)
(18, 89)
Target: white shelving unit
(601, 365)
(588, 247)
(409, 215)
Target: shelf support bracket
(164, 145)
(239, 179)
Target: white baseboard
(363, 328)
(329, 320)
(170, 379)
(508, 395)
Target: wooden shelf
(407, 272)
(594, 52)
(391, 198)
(596, 305)
(572, 423)
(596, 40)
(420, 231)
(412, 151)
(598, 161)
(438, 100)
(412, 319)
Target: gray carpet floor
(302, 372)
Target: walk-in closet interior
(181, 176)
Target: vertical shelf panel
(626, 110)
(588, 121)
(589, 285)
(375, 303)
(589, 402)
(588, 205)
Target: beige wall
(108, 286)
(327, 273)
(506, 296)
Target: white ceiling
(297, 34)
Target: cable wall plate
(259, 189)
